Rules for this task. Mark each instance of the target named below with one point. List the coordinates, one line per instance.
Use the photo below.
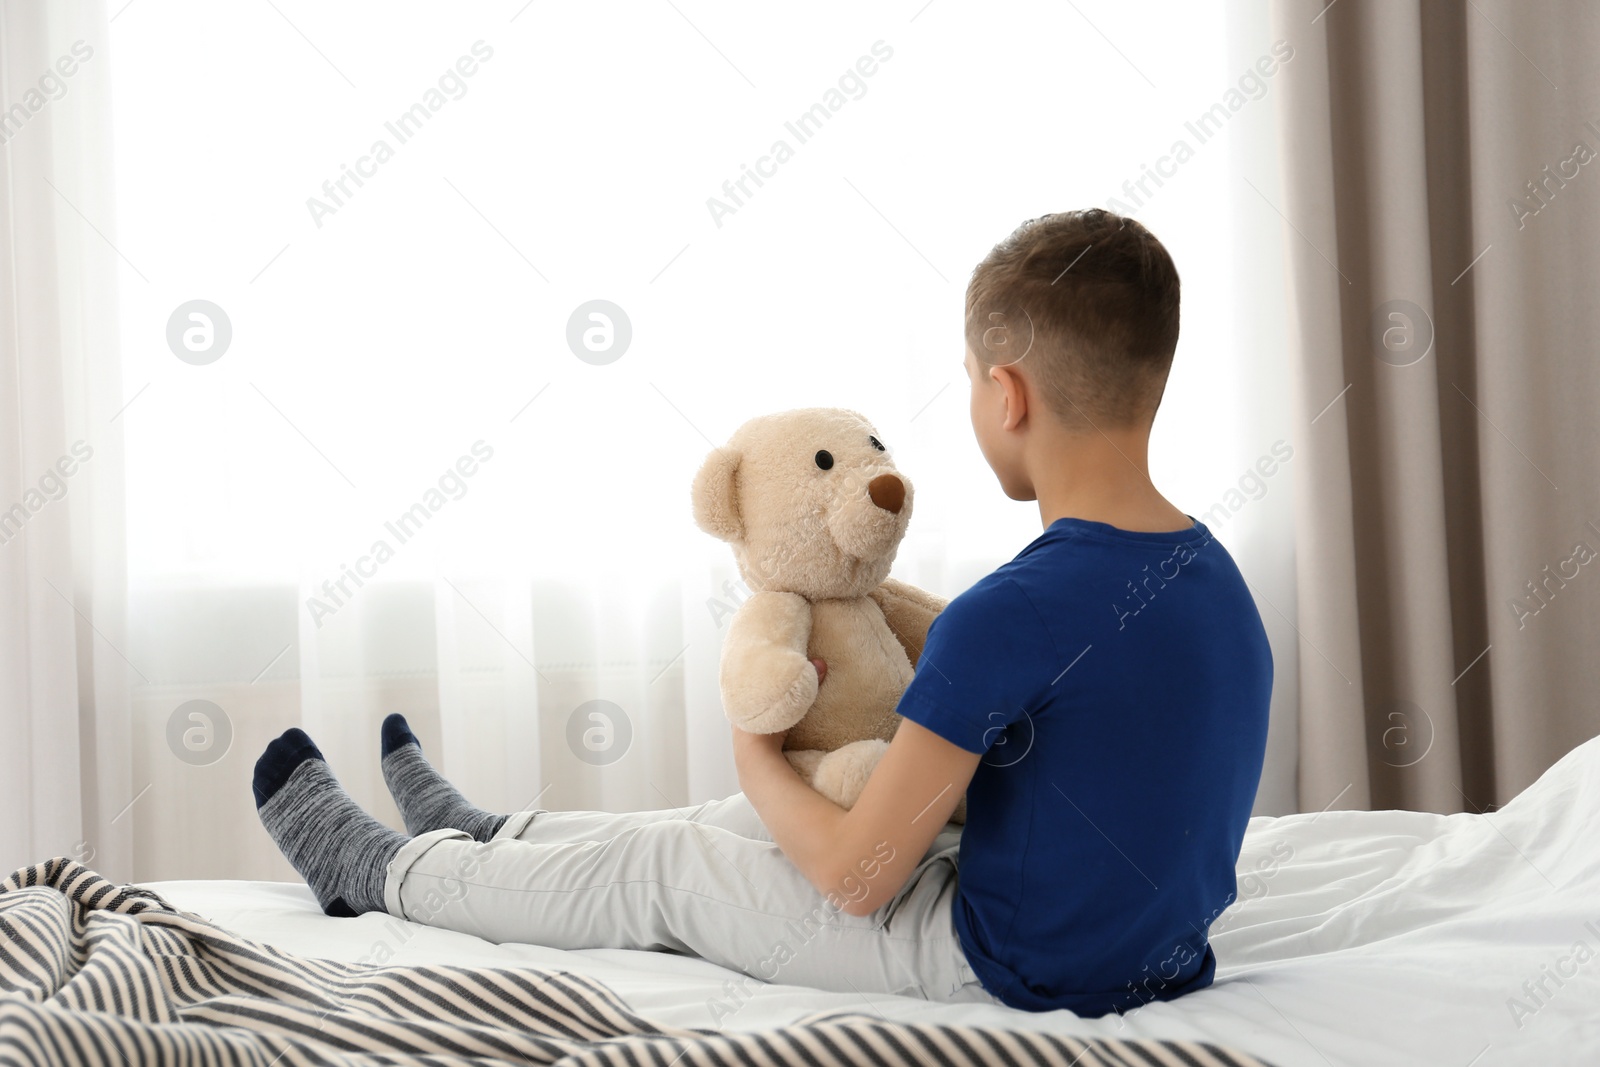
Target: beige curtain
(1442, 195)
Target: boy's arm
(858, 858)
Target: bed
(1369, 938)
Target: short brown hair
(1090, 298)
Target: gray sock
(426, 799)
(342, 852)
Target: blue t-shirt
(1117, 683)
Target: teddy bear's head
(810, 501)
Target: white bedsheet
(1368, 938)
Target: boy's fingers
(822, 668)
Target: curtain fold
(64, 681)
(1442, 246)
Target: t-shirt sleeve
(987, 657)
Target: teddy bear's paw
(765, 712)
(842, 774)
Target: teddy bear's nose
(888, 492)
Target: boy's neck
(1101, 476)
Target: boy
(1101, 700)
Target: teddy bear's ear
(716, 498)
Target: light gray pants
(706, 881)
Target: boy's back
(1118, 682)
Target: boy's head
(1082, 307)
(1085, 303)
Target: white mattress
(1367, 938)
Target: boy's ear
(1013, 390)
(716, 497)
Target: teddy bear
(815, 511)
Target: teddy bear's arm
(909, 612)
(768, 683)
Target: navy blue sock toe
(279, 761)
(397, 733)
(340, 910)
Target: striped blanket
(92, 974)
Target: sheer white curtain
(367, 470)
(64, 684)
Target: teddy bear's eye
(877, 444)
(825, 459)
